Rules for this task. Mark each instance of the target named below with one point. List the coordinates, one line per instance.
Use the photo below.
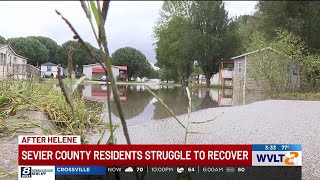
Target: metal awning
(97, 69)
(123, 68)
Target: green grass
(28, 95)
(298, 96)
(66, 81)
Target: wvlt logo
(277, 159)
(25, 172)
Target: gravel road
(264, 122)
(269, 122)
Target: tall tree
(176, 40)
(195, 30)
(174, 47)
(217, 38)
(51, 45)
(167, 74)
(135, 60)
(34, 50)
(154, 74)
(80, 56)
(2, 40)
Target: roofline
(87, 65)
(246, 54)
(13, 51)
(91, 64)
(49, 62)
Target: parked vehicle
(103, 78)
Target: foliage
(174, 41)
(51, 45)
(298, 17)
(167, 74)
(2, 40)
(245, 27)
(80, 56)
(197, 70)
(299, 38)
(135, 60)
(310, 71)
(259, 41)
(269, 67)
(154, 74)
(40, 49)
(174, 8)
(218, 37)
(43, 97)
(273, 68)
(195, 30)
(31, 48)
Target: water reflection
(140, 106)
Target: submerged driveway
(264, 122)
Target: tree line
(201, 31)
(39, 50)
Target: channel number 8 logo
(25, 172)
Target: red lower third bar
(136, 155)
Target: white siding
(7, 57)
(54, 70)
(115, 72)
(87, 71)
(4, 51)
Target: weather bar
(198, 172)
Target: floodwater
(139, 105)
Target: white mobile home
(50, 69)
(96, 71)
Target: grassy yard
(66, 81)
(47, 98)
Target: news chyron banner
(48, 157)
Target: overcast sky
(128, 24)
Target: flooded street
(140, 106)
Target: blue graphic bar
(276, 147)
(80, 170)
